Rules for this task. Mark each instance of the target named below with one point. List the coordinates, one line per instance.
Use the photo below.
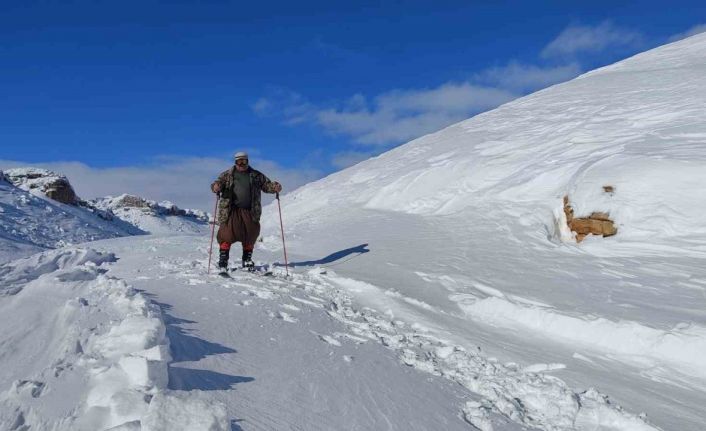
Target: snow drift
(92, 352)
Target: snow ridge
(99, 347)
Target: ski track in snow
(526, 395)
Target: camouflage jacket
(258, 183)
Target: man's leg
(225, 238)
(247, 256)
(223, 255)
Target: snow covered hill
(466, 235)
(436, 286)
(31, 222)
(39, 209)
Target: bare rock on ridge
(53, 185)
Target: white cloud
(526, 77)
(262, 106)
(697, 29)
(183, 181)
(400, 115)
(394, 116)
(289, 105)
(579, 38)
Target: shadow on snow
(187, 379)
(333, 257)
(186, 347)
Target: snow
(98, 349)
(31, 222)
(153, 217)
(467, 237)
(33, 178)
(433, 287)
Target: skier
(240, 207)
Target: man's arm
(268, 186)
(217, 185)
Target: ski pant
(240, 227)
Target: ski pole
(213, 229)
(281, 226)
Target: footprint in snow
(307, 302)
(539, 368)
(32, 388)
(286, 317)
(329, 339)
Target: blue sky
(142, 88)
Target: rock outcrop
(166, 208)
(598, 223)
(53, 185)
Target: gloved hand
(216, 187)
(277, 187)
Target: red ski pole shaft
(284, 246)
(213, 229)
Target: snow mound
(99, 351)
(18, 273)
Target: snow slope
(466, 234)
(31, 222)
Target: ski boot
(247, 261)
(223, 260)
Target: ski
(260, 270)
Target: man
(240, 208)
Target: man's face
(241, 165)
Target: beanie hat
(241, 155)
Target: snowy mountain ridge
(41, 210)
(151, 216)
(31, 222)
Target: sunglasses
(241, 162)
